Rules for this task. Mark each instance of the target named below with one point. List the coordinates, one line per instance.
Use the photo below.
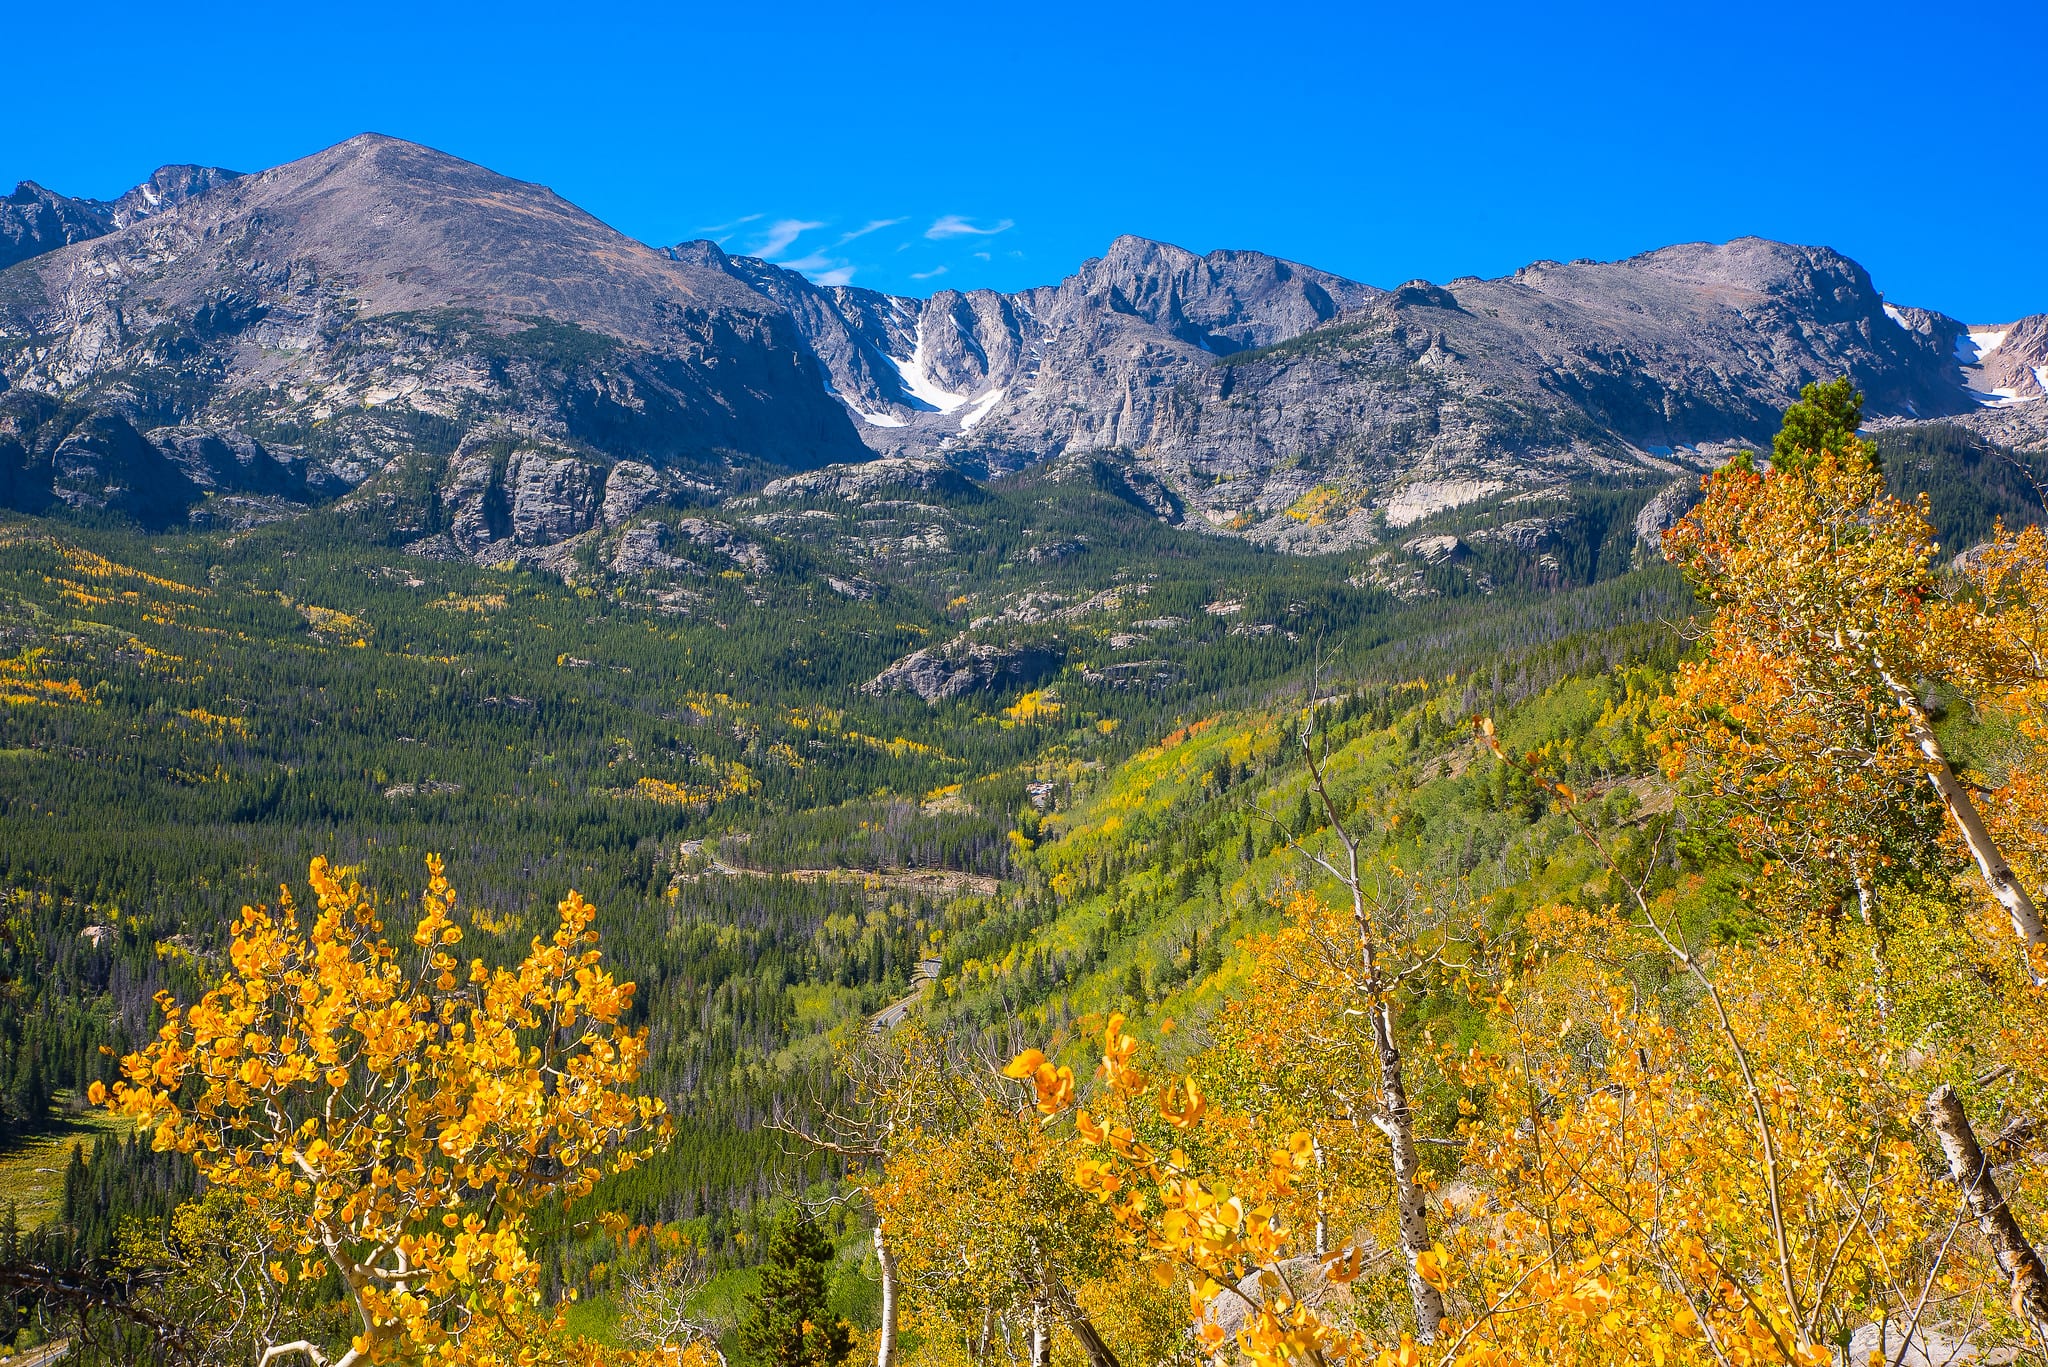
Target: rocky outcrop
(230, 462)
(937, 674)
(860, 482)
(630, 486)
(1527, 534)
(57, 455)
(1661, 514)
(1436, 550)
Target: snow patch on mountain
(920, 383)
(1973, 346)
(983, 406)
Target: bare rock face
(937, 674)
(401, 301)
(745, 555)
(552, 498)
(631, 486)
(643, 549)
(231, 462)
(1661, 514)
(1437, 550)
(2007, 365)
(860, 482)
(1266, 399)
(53, 455)
(34, 220)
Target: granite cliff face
(1311, 412)
(467, 354)
(473, 366)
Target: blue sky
(912, 148)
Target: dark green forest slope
(773, 844)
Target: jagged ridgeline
(469, 365)
(868, 662)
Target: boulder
(938, 673)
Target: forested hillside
(874, 788)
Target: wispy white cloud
(782, 233)
(953, 225)
(873, 225)
(927, 275)
(822, 269)
(739, 222)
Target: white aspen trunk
(1099, 1352)
(1991, 861)
(885, 1343)
(1866, 906)
(310, 1350)
(1971, 1171)
(1410, 1203)
(1041, 1336)
(1395, 1120)
(1322, 1213)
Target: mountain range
(472, 366)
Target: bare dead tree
(1376, 979)
(659, 1306)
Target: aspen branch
(1099, 1352)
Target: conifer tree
(1825, 419)
(789, 1323)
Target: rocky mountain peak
(35, 220)
(1222, 302)
(394, 304)
(166, 189)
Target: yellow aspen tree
(394, 1113)
(1827, 618)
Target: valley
(914, 684)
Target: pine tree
(789, 1323)
(1825, 419)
